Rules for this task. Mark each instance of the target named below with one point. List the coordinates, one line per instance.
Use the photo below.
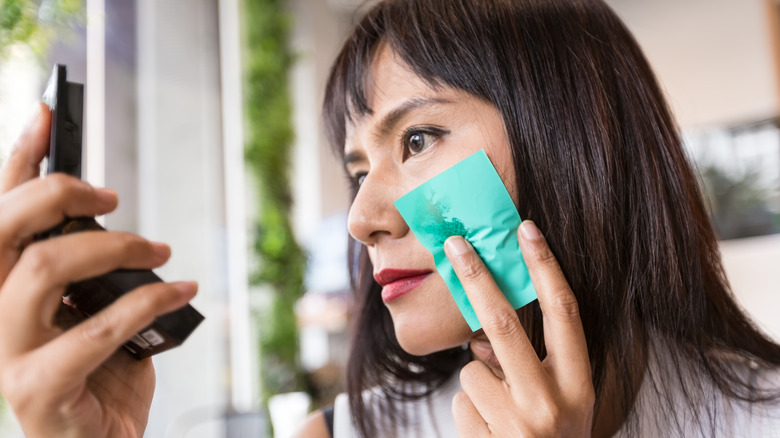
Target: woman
(560, 97)
(647, 339)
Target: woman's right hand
(76, 382)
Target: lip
(398, 282)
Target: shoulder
(342, 418)
(429, 416)
(315, 426)
(759, 418)
(679, 400)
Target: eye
(419, 138)
(358, 179)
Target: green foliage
(35, 23)
(268, 111)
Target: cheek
(429, 321)
(498, 149)
(500, 154)
(506, 171)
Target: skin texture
(426, 320)
(76, 382)
(314, 427)
(95, 390)
(507, 381)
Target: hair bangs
(345, 96)
(432, 48)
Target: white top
(433, 417)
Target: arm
(314, 427)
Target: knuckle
(470, 373)
(59, 185)
(18, 153)
(16, 383)
(543, 255)
(132, 246)
(101, 329)
(544, 261)
(471, 270)
(565, 306)
(148, 299)
(550, 413)
(64, 187)
(16, 148)
(504, 324)
(132, 243)
(38, 258)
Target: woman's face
(413, 134)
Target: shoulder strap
(328, 413)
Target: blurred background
(204, 115)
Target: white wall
(713, 57)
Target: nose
(372, 215)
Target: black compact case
(66, 101)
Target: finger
(24, 161)
(41, 204)
(468, 422)
(498, 318)
(485, 391)
(32, 293)
(563, 333)
(79, 351)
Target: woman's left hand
(525, 397)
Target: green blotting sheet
(469, 199)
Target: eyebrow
(391, 119)
(352, 157)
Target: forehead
(392, 85)
(391, 79)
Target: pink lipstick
(397, 282)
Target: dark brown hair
(599, 167)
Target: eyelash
(432, 131)
(357, 180)
(423, 131)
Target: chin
(423, 336)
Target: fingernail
(161, 250)
(188, 288)
(106, 196)
(530, 230)
(457, 245)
